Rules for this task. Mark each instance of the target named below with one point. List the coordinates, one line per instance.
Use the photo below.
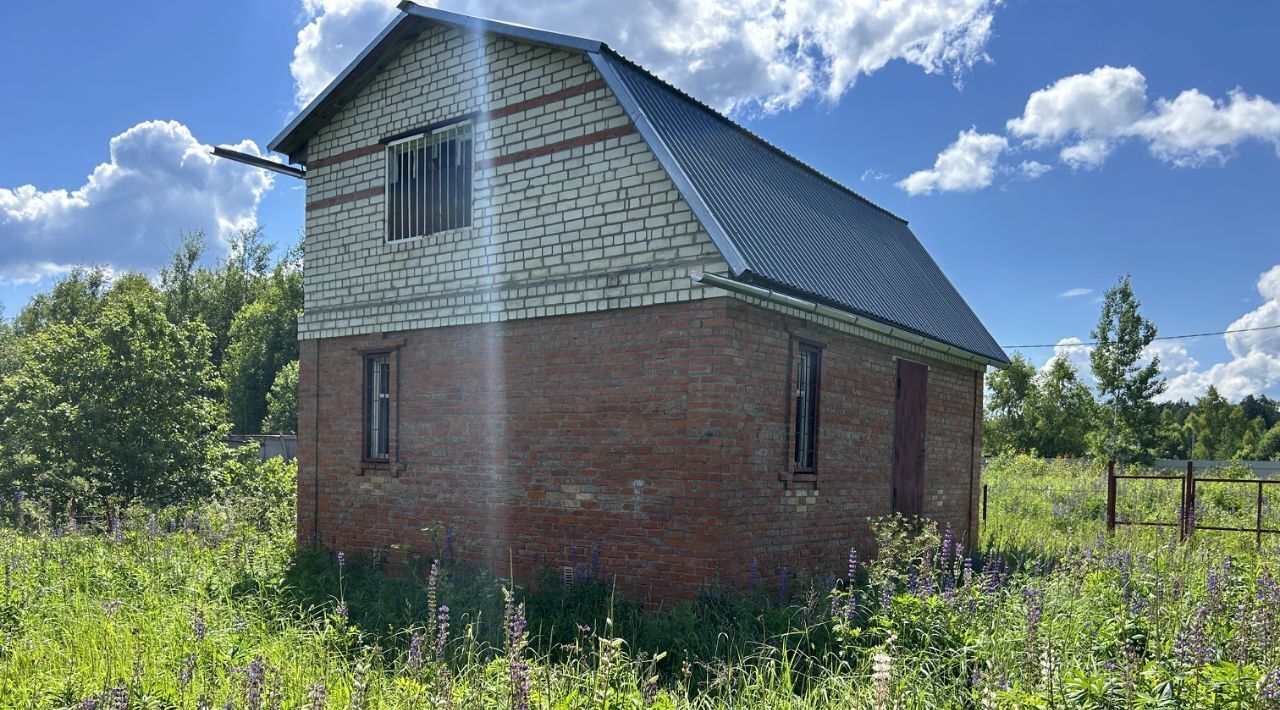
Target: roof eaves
(507, 29)
(281, 142)
(732, 255)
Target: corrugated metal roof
(799, 231)
(777, 222)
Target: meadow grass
(183, 610)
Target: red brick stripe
(548, 149)
(349, 197)
(508, 110)
(545, 99)
(557, 147)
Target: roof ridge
(750, 134)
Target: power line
(1162, 337)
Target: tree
(1268, 447)
(113, 407)
(1060, 411)
(10, 352)
(1005, 424)
(1216, 426)
(75, 297)
(1261, 406)
(264, 338)
(282, 402)
(1126, 387)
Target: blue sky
(1037, 148)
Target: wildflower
(1190, 646)
(517, 642)
(853, 564)
(433, 579)
(1035, 609)
(783, 591)
(448, 543)
(198, 627)
(342, 560)
(110, 608)
(317, 694)
(595, 561)
(882, 671)
(442, 632)
(253, 677)
(240, 625)
(753, 576)
(187, 669)
(1269, 687)
(415, 654)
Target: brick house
(564, 311)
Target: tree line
(1053, 413)
(121, 389)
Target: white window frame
(460, 129)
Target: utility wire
(1162, 337)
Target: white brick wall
(588, 228)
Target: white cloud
(1074, 351)
(159, 182)
(1075, 292)
(967, 164)
(765, 55)
(1032, 169)
(1193, 129)
(335, 33)
(1086, 116)
(1255, 355)
(1102, 103)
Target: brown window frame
(806, 424)
(430, 181)
(367, 364)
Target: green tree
(10, 351)
(1261, 406)
(1216, 427)
(1005, 426)
(282, 402)
(1173, 438)
(1127, 388)
(1061, 411)
(1268, 447)
(264, 338)
(113, 408)
(75, 297)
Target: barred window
(429, 183)
(377, 407)
(807, 379)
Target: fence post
(1111, 498)
(984, 502)
(1259, 541)
(1189, 506)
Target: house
(561, 310)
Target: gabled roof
(778, 223)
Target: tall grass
(189, 611)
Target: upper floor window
(429, 183)
(808, 364)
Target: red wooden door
(908, 438)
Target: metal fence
(1187, 522)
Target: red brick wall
(657, 435)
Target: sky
(1040, 150)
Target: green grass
(1049, 613)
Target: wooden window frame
(367, 360)
(815, 350)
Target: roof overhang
(843, 316)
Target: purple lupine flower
(110, 608)
(853, 564)
(944, 554)
(415, 654)
(254, 679)
(442, 632)
(240, 625)
(318, 695)
(753, 575)
(89, 704)
(517, 640)
(448, 543)
(198, 627)
(153, 527)
(783, 587)
(187, 670)
(595, 561)
(342, 561)
(1269, 688)
(341, 611)
(967, 575)
(886, 597)
(1035, 610)
(1190, 646)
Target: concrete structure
(593, 344)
